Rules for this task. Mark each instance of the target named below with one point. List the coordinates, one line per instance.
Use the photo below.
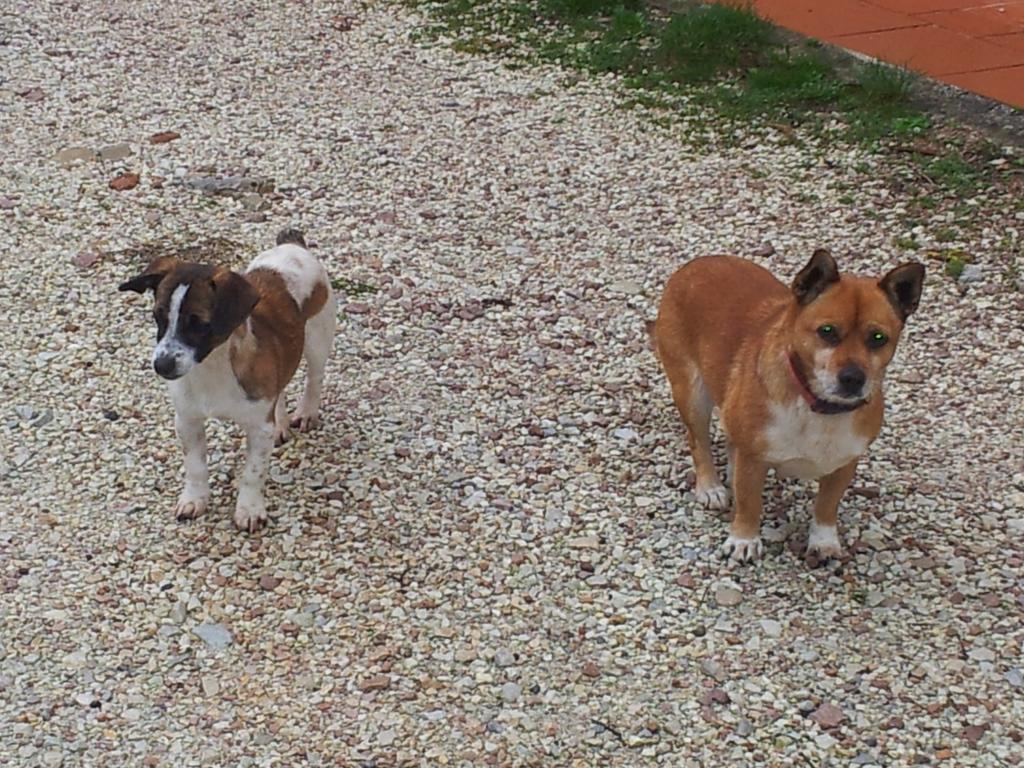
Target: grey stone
(626, 286)
(728, 597)
(214, 635)
(74, 155)
(253, 201)
(504, 657)
(981, 654)
(973, 273)
(771, 627)
(230, 186)
(115, 152)
(1014, 677)
(713, 669)
(510, 692)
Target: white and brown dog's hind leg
(195, 496)
(317, 349)
(250, 509)
(281, 430)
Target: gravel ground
(490, 554)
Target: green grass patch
(352, 287)
(955, 173)
(703, 42)
(713, 58)
(584, 8)
(955, 265)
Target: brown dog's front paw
(823, 542)
(740, 550)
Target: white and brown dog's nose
(166, 366)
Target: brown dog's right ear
(903, 287)
(151, 276)
(821, 271)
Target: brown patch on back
(315, 301)
(269, 352)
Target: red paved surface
(974, 44)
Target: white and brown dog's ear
(821, 272)
(234, 298)
(151, 276)
(903, 287)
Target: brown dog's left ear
(234, 300)
(903, 287)
(821, 271)
(151, 276)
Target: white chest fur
(808, 445)
(211, 390)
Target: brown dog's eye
(829, 333)
(877, 339)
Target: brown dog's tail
(652, 334)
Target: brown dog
(795, 373)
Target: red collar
(815, 403)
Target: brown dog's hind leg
(744, 542)
(694, 404)
(823, 535)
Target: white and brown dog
(228, 344)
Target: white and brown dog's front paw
(281, 434)
(741, 550)
(190, 506)
(250, 514)
(823, 541)
(305, 420)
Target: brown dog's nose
(851, 380)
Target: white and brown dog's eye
(196, 325)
